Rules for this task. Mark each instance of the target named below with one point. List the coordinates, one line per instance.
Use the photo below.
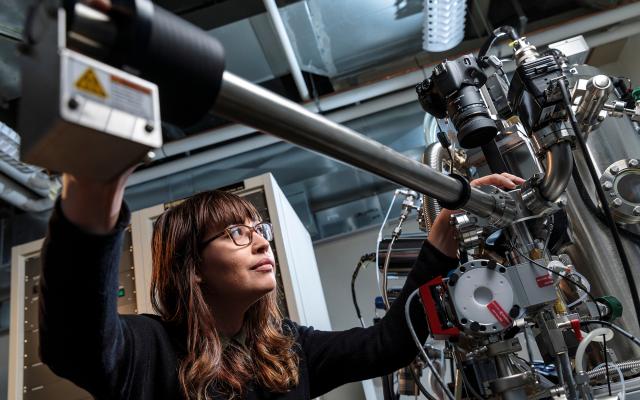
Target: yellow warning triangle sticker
(89, 83)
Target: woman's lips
(265, 265)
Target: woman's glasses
(242, 235)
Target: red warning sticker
(544, 280)
(501, 315)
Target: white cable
(432, 367)
(608, 335)
(623, 389)
(379, 239)
(586, 285)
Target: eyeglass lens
(242, 234)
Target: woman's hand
(91, 205)
(441, 233)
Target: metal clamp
(506, 209)
(550, 135)
(467, 232)
(532, 199)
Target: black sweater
(84, 339)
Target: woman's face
(238, 273)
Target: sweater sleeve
(82, 337)
(336, 358)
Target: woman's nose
(260, 244)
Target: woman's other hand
(441, 233)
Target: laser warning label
(90, 83)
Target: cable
(582, 347)
(584, 295)
(421, 387)
(363, 260)
(603, 199)
(593, 299)
(614, 327)
(407, 316)
(385, 270)
(379, 239)
(567, 279)
(497, 33)
(407, 206)
(467, 385)
(623, 389)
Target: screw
(148, 127)
(616, 202)
(636, 210)
(633, 163)
(73, 103)
(492, 265)
(453, 279)
(475, 326)
(615, 169)
(607, 185)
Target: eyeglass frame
(252, 229)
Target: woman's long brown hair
(269, 359)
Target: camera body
(454, 90)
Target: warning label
(111, 88)
(544, 280)
(499, 313)
(89, 82)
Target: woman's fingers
(503, 180)
(515, 179)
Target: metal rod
(565, 364)
(244, 102)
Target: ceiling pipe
(292, 60)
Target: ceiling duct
(443, 27)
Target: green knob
(613, 304)
(636, 93)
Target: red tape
(501, 315)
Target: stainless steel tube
(434, 157)
(249, 104)
(558, 173)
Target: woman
(218, 334)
